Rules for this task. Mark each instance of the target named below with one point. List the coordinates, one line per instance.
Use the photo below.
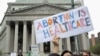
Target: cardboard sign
(35, 50)
(13, 54)
(65, 24)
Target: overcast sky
(93, 6)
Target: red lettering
(39, 26)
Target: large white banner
(65, 24)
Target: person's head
(66, 53)
(86, 53)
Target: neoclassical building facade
(17, 27)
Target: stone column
(68, 44)
(32, 35)
(60, 45)
(76, 44)
(8, 35)
(51, 47)
(24, 38)
(84, 41)
(16, 38)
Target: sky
(93, 6)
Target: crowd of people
(55, 42)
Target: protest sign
(65, 24)
(35, 50)
(13, 54)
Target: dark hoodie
(54, 54)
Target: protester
(54, 54)
(86, 53)
(20, 53)
(66, 53)
(55, 42)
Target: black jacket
(54, 54)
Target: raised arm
(55, 42)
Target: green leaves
(0, 52)
(95, 49)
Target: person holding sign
(55, 42)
